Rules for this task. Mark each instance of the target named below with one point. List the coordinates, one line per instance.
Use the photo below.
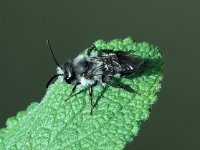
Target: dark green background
(72, 26)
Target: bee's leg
(74, 89)
(91, 96)
(108, 52)
(122, 86)
(101, 52)
(90, 49)
(103, 79)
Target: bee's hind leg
(121, 86)
(90, 49)
(117, 85)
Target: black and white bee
(97, 67)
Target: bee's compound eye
(68, 80)
(68, 70)
(68, 73)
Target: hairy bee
(97, 67)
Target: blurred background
(72, 26)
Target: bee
(97, 67)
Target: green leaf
(57, 124)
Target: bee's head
(68, 72)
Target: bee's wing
(129, 63)
(106, 65)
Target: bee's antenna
(51, 79)
(54, 58)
